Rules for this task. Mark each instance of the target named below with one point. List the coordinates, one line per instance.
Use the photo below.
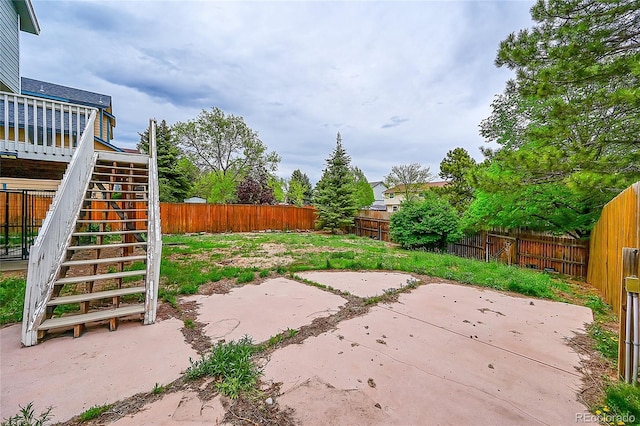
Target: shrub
(427, 224)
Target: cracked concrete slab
(101, 367)
(177, 408)
(361, 284)
(263, 310)
(419, 362)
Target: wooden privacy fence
(217, 218)
(618, 227)
(529, 250)
(554, 254)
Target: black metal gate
(21, 215)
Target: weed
(623, 400)
(158, 389)
(230, 363)
(606, 341)
(189, 323)
(111, 269)
(94, 412)
(264, 273)
(63, 309)
(597, 305)
(246, 277)
(26, 417)
(291, 332)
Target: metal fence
(21, 215)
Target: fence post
(629, 268)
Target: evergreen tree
(567, 126)
(175, 175)
(334, 197)
(456, 169)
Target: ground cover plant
(192, 261)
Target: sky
(402, 81)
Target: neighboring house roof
(130, 150)
(419, 187)
(28, 20)
(376, 183)
(42, 89)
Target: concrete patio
(441, 354)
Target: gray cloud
(298, 72)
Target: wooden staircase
(108, 264)
(103, 276)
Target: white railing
(154, 233)
(35, 128)
(50, 246)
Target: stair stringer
(50, 248)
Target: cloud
(298, 72)
(394, 122)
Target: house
(394, 197)
(105, 212)
(378, 194)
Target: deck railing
(154, 233)
(53, 239)
(42, 129)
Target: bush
(427, 224)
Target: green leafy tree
(409, 178)
(224, 144)
(456, 169)
(568, 125)
(175, 176)
(334, 197)
(362, 190)
(216, 187)
(429, 224)
(299, 191)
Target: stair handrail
(154, 232)
(50, 246)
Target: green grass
(11, 299)
(623, 400)
(94, 412)
(230, 363)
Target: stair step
(120, 168)
(92, 234)
(103, 260)
(97, 277)
(118, 200)
(111, 209)
(71, 320)
(96, 177)
(105, 246)
(85, 297)
(120, 183)
(115, 191)
(142, 219)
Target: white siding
(9, 47)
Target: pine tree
(174, 171)
(334, 197)
(300, 190)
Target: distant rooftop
(64, 94)
(419, 187)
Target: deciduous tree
(410, 177)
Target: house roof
(419, 187)
(42, 89)
(376, 183)
(28, 20)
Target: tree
(568, 124)
(456, 169)
(224, 144)
(174, 172)
(362, 190)
(299, 190)
(334, 196)
(430, 224)
(255, 188)
(410, 178)
(216, 187)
